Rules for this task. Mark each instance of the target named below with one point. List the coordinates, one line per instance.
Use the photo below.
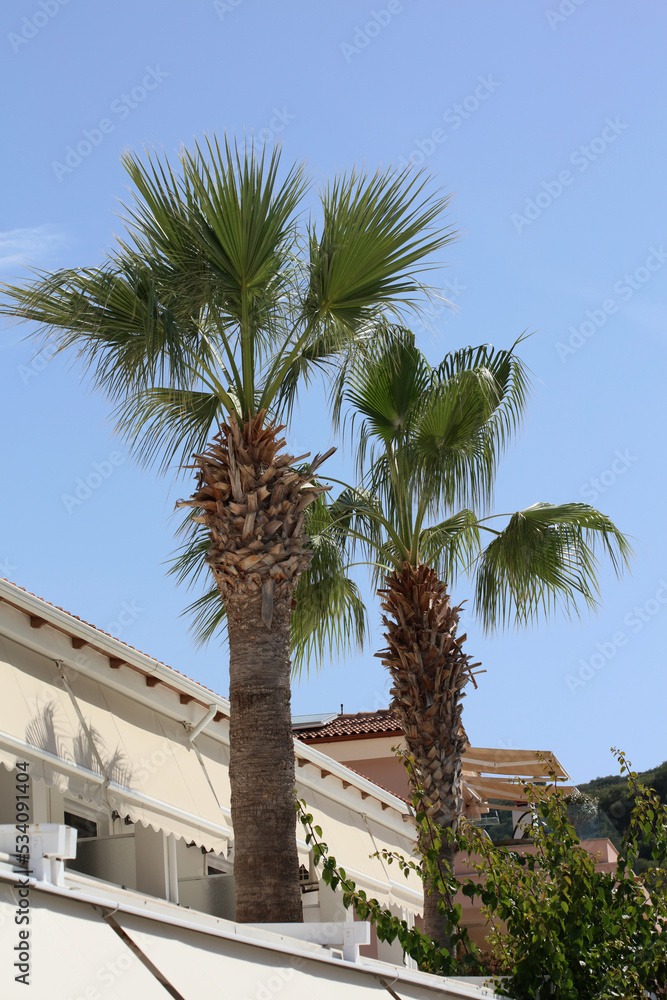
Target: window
(83, 826)
(308, 878)
(217, 865)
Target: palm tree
(200, 326)
(430, 440)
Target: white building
(133, 755)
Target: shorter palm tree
(430, 439)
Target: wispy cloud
(19, 247)
(6, 569)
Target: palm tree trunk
(435, 922)
(261, 765)
(253, 500)
(429, 671)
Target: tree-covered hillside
(615, 806)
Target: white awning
(502, 774)
(73, 953)
(92, 740)
(201, 966)
(76, 952)
(108, 748)
(538, 764)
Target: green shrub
(559, 929)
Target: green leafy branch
(564, 930)
(559, 928)
(425, 952)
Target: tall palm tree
(430, 440)
(217, 304)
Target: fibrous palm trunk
(252, 499)
(429, 671)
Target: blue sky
(546, 123)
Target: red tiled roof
(383, 722)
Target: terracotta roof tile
(384, 722)
(361, 724)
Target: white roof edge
(113, 647)
(31, 605)
(318, 759)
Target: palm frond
(450, 546)
(362, 525)
(508, 386)
(208, 618)
(450, 450)
(188, 563)
(225, 211)
(330, 615)
(429, 441)
(385, 384)
(113, 319)
(316, 355)
(464, 422)
(231, 236)
(165, 426)
(545, 558)
(189, 566)
(375, 236)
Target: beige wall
(389, 773)
(373, 758)
(359, 749)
